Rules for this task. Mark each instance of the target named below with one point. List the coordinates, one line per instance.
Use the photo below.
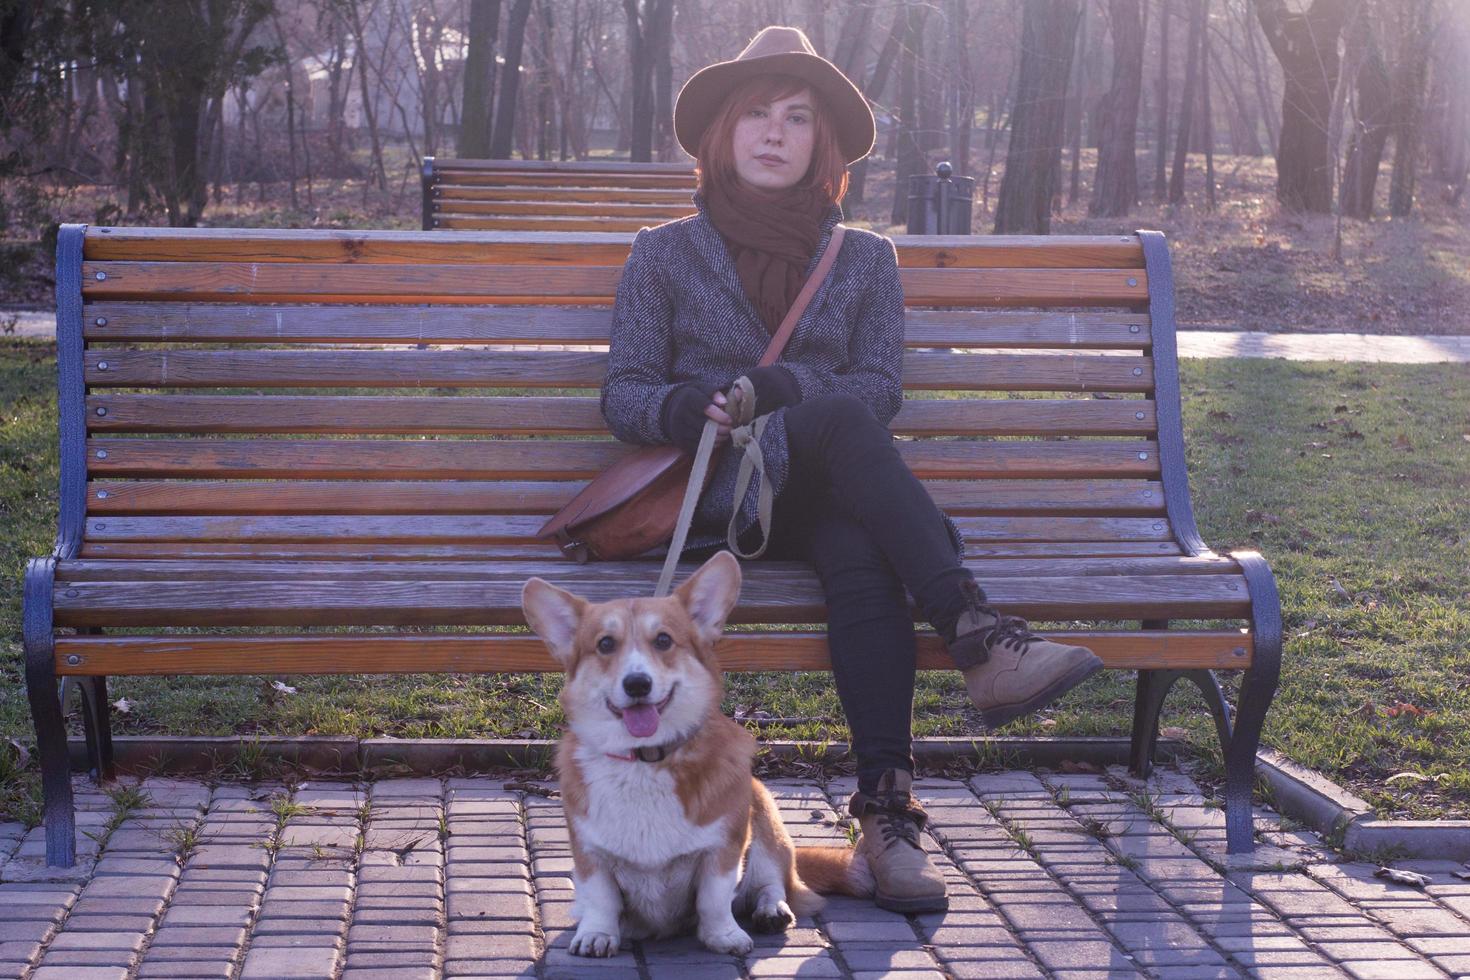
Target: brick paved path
(1062, 876)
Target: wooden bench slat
(621, 195)
(413, 653)
(525, 459)
(652, 213)
(985, 569)
(624, 226)
(775, 598)
(247, 323)
(552, 248)
(449, 165)
(461, 284)
(563, 369)
(527, 415)
(509, 528)
(255, 551)
(201, 497)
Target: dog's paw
(733, 940)
(590, 943)
(776, 917)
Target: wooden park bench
(311, 452)
(537, 195)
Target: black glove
(683, 415)
(775, 387)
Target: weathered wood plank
(249, 323)
(203, 497)
(460, 284)
(652, 212)
(564, 369)
(527, 415)
(511, 570)
(378, 653)
(526, 459)
(562, 248)
(511, 528)
(794, 598)
(254, 551)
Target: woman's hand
(685, 411)
(716, 411)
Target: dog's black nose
(637, 685)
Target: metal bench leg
(1257, 689)
(47, 713)
(97, 724)
(1148, 701)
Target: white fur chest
(635, 815)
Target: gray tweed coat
(681, 315)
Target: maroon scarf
(772, 238)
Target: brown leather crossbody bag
(633, 505)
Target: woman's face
(773, 143)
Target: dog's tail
(835, 871)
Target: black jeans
(853, 509)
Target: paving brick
(267, 963)
(194, 969)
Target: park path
(1063, 876)
(1362, 347)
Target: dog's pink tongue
(641, 720)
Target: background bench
(225, 397)
(536, 195)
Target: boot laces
(1010, 631)
(898, 825)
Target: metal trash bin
(940, 204)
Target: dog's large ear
(710, 593)
(554, 615)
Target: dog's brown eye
(606, 645)
(663, 641)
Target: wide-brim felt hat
(776, 51)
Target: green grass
(1350, 479)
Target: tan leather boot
(907, 880)
(1012, 671)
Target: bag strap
(707, 437)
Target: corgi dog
(669, 829)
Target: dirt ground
(1248, 265)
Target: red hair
(716, 158)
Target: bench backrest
(535, 195)
(369, 395)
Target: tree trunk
(660, 39)
(877, 82)
(479, 79)
(909, 158)
(545, 74)
(1161, 126)
(1409, 78)
(1306, 46)
(1205, 111)
(1048, 39)
(359, 63)
(1373, 117)
(1115, 188)
(505, 112)
(963, 88)
(1074, 112)
(1187, 102)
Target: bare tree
(1305, 44)
(479, 79)
(1161, 97)
(1115, 188)
(1187, 102)
(909, 159)
(1415, 34)
(1372, 120)
(505, 111)
(1048, 38)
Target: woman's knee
(835, 419)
